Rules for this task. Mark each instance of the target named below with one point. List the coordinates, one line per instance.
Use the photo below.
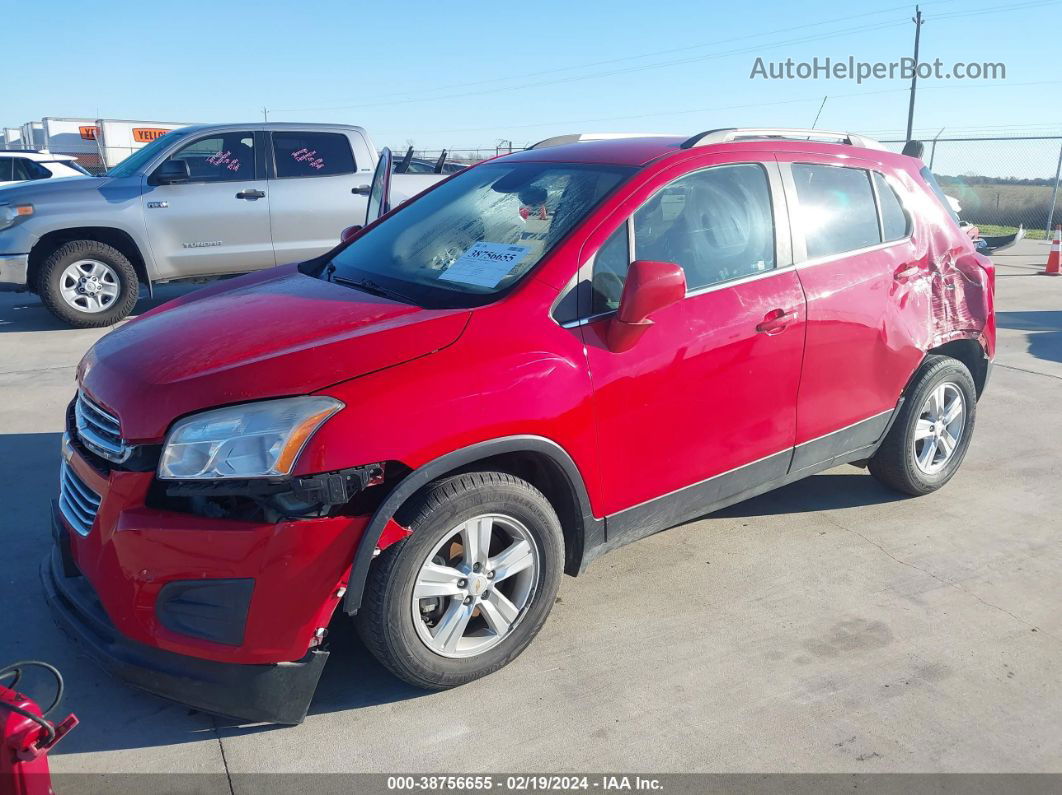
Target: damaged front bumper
(273, 693)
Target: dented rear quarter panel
(873, 314)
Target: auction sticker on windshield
(485, 264)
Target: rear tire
(88, 284)
(929, 439)
(502, 594)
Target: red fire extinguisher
(26, 735)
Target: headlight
(249, 441)
(9, 213)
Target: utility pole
(265, 113)
(917, 19)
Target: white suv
(22, 166)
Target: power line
(555, 70)
(711, 56)
(573, 78)
(687, 111)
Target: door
(851, 260)
(704, 405)
(216, 222)
(378, 201)
(315, 192)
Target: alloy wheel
(939, 428)
(89, 285)
(475, 586)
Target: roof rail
(729, 134)
(574, 138)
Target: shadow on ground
(25, 312)
(115, 717)
(1044, 327)
(844, 489)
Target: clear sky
(462, 75)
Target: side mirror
(650, 287)
(349, 233)
(172, 172)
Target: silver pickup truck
(201, 201)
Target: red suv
(544, 357)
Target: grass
(1003, 207)
(995, 229)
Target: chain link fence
(1000, 182)
(457, 157)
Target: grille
(77, 502)
(99, 430)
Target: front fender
(102, 203)
(419, 478)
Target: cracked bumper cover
(273, 693)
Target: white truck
(200, 201)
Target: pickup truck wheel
(927, 443)
(470, 588)
(88, 284)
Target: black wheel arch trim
(592, 528)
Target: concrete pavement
(831, 626)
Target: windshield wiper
(371, 287)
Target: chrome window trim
(808, 263)
(738, 280)
(735, 282)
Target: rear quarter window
(312, 154)
(895, 223)
(937, 191)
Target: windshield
(477, 234)
(136, 161)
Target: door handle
(251, 194)
(775, 321)
(361, 190)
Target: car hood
(71, 189)
(270, 334)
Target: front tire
(926, 445)
(88, 284)
(467, 592)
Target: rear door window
(836, 209)
(5, 169)
(312, 154)
(895, 224)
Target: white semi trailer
(100, 144)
